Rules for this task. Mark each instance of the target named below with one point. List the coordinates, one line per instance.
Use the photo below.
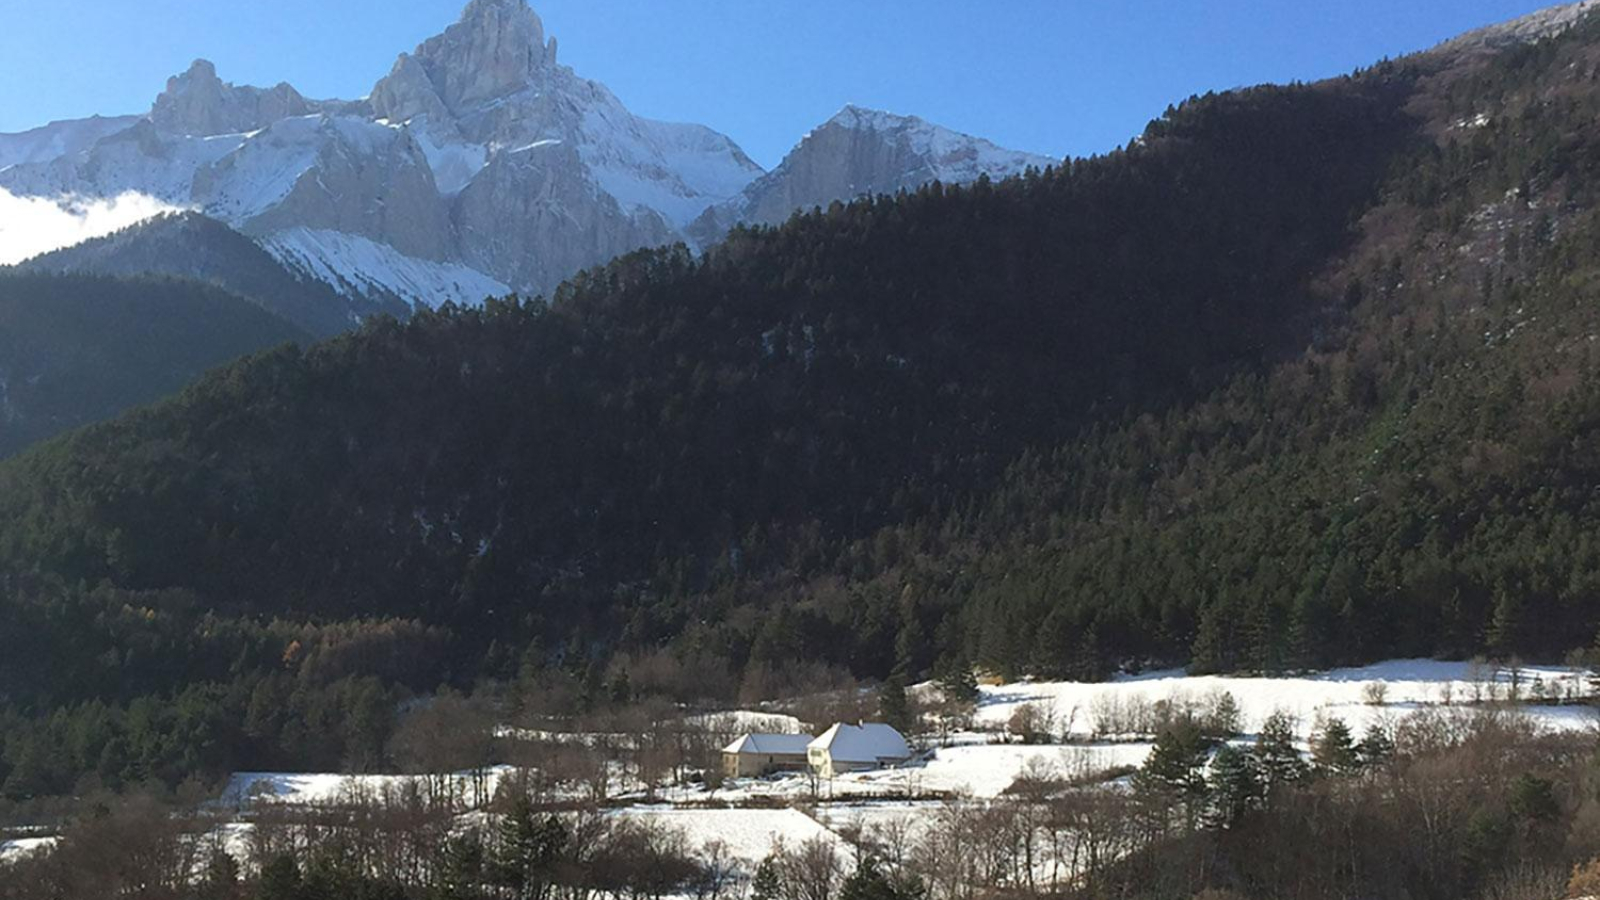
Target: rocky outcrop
(496, 49)
(199, 103)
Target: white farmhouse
(854, 748)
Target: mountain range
(478, 166)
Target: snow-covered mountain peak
(853, 116)
(858, 152)
(495, 50)
(200, 103)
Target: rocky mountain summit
(478, 165)
(863, 151)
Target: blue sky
(1063, 77)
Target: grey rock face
(368, 181)
(199, 103)
(532, 218)
(408, 93)
(496, 49)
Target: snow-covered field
(13, 850)
(307, 789)
(748, 834)
(1382, 692)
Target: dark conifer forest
(1302, 376)
(76, 349)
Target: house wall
(754, 765)
(823, 763)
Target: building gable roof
(772, 744)
(869, 742)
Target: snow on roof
(770, 743)
(868, 742)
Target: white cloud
(30, 226)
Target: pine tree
(1505, 628)
(1173, 776)
(1054, 646)
(1333, 750)
(893, 706)
(530, 848)
(279, 879)
(221, 879)
(1212, 651)
(1276, 752)
(461, 868)
(1376, 747)
(956, 681)
(1224, 717)
(869, 882)
(1235, 786)
(766, 885)
(620, 689)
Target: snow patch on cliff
(356, 266)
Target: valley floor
(1099, 733)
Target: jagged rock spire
(497, 48)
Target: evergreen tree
(1333, 750)
(461, 870)
(1505, 634)
(957, 682)
(1533, 799)
(1173, 776)
(1223, 718)
(221, 878)
(1235, 786)
(1376, 747)
(279, 879)
(620, 689)
(1212, 651)
(766, 885)
(1279, 758)
(530, 848)
(1054, 646)
(893, 706)
(868, 882)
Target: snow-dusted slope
(58, 139)
(357, 265)
(1527, 29)
(859, 152)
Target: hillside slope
(846, 372)
(80, 349)
(190, 245)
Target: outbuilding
(754, 755)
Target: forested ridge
(1302, 376)
(76, 349)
